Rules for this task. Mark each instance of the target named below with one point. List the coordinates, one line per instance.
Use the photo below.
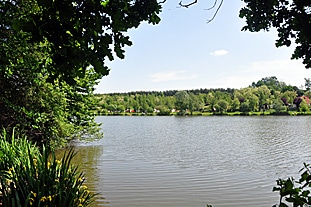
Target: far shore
(285, 113)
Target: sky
(183, 52)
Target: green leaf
(283, 205)
(289, 184)
(305, 193)
(100, 68)
(119, 51)
(304, 176)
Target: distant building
(307, 99)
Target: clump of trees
(52, 55)
(266, 95)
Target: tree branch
(212, 6)
(187, 5)
(208, 21)
(196, 1)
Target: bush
(29, 177)
(294, 192)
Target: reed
(33, 177)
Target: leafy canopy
(52, 55)
(80, 33)
(292, 19)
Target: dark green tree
(307, 84)
(79, 33)
(52, 54)
(292, 20)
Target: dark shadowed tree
(297, 102)
(292, 20)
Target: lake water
(193, 161)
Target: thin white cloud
(219, 52)
(171, 76)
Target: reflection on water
(87, 157)
(192, 161)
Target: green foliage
(48, 113)
(223, 105)
(279, 106)
(304, 106)
(267, 96)
(80, 33)
(295, 193)
(164, 111)
(244, 107)
(290, 18)
(29, 177)
(52, 55)
(182, 101)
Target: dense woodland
(268, 95)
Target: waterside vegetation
(33, 177)
(268, 96)
(53, 54)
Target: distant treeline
(267, 95)
(173, 92)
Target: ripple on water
(189, 162)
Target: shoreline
(289, 113)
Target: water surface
(191, 161)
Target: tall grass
(33, 177)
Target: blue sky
(184, 52)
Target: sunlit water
(194, 161)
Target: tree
(223, 106)
(271, 82)
(244, 107)
(278, 105)
(195, 103)
(307, 84)
(297, 101)
(78, 33)
(263, 94)
(292, 20)
(304, 106)
(295, 192)
(289, 96)
(235, 104)
(52, 55)
(182, 101)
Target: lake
(193, 161)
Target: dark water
(192, 161)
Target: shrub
(295, 193)
(29, 177)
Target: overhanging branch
(208, 21)
(196, 1)
(212, 6)
(187, 5)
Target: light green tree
(223, 105)
(52, 54)
(182, 101)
